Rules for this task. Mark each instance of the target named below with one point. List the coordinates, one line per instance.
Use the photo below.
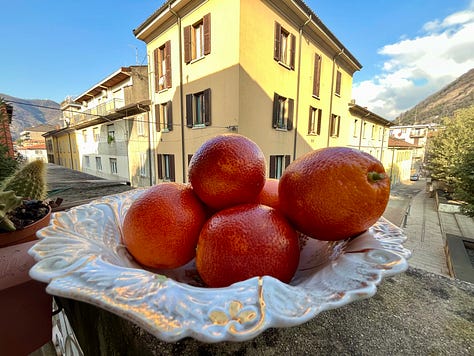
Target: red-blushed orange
(334, 193)
(269, 193)
(246, 241)
(161, 227)
(227, 170)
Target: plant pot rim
(26, 234)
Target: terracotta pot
(26, 234)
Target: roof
(314, 20)
(40, 128)
(397, 142)
(367, 114)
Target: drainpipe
(332, 90)
(181, 95)
(70, 150)
(150, 165)
(298, 87)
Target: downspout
(298, 87)
(181, 95)
(332, 91)
(150, 165)
(70, 150)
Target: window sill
(283, 64)
(162, 90)
(313, 134)
(165, 130)
(194, 60)
(281, 129)
(316, 97)
(338, 95)
(199, 126)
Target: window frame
(314, 124)
(192, 109)
(113, 165)
(143, 170)
(283, 111)
(197, 33)
(166, 167)
(98, 163)
(162, 59)
(280, 52)
(334, 125)
(337, 90)
(317, 75)
(277, 165)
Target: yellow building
(269, 70)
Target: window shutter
(157, 118)
(318, 130)
(276, 46)
(207, 107)
(317, 74)
(338, 83)
(338, 118)
(160, 165)
(189, 159)
(189, 110)
(331, 120)
(310, 118)
(292, 51)
(168, 64)
(156, 55)
(187, 44)
(287, 160)
(172, 171)
(272, 167)
(276, 107)
(289, 124)
(207, 33)
(169, 113)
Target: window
(140, 120)
(282, 113)
(96, 134)
(338, 83)
(84, 135)
(113, 165)
(87, 161)
(334, 125)
(284, 46)
(166, 167)
(372, 135)
(143, 156)
(164, 116)
(354, 133)
(198, 109)
(314, 126)
(110, 133)
(98, 163)
(197, 39)
(364, 130)
(380, 133)
(316, 75)
(278, 164)
(162, 57)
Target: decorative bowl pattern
(80, 256)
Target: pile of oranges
(238, 224)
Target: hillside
(458, 94)
(33, 113)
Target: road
(400, 199)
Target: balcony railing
(103, 109)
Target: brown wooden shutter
(291, 105)
(172, 170)
(189, 159)
(276, 108)
(317, 74)
(292, 51)
(157, 118)
(318, 130)
(331, 120)
(168, 64)
(309, 118)
(277, 42)
(338, 83)
(272, 167)
(187, 44)
(287, 160)
(338, 118)
(189, 110)
(156, 55)
(206, 24)
(159, 158)
(207, 107)
(169, 114)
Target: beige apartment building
(269, 70)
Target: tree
(7, 164)
(451, 156)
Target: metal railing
(103, 109)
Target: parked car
(415, 176)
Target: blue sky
(409, 49)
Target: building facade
(272, 72)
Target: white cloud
(418, 67)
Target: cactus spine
(29, 182)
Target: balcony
(417, 133)
(104, 109)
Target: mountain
(30, 113)
(459, 94)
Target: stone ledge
(416, 312)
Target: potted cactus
(23, 210)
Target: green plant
(27, 183)
(110, 139)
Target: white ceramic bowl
(80, 256)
